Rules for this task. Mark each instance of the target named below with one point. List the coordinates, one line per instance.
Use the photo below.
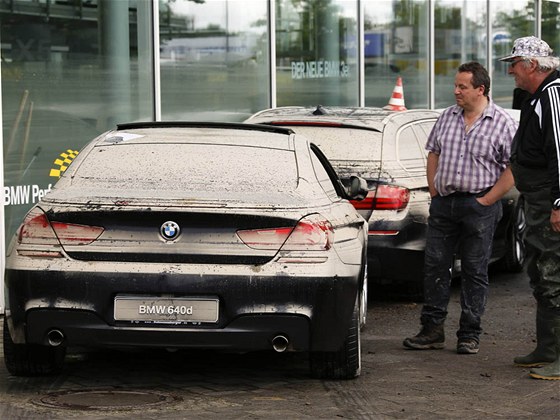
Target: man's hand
(555, 220)
(484, 201)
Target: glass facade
(213, 59)
(396, 44)
(72, 69)
(460, 32)
(316, 52)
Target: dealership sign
(319, 69)
(24, 194)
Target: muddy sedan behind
(191, 235)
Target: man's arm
(552, 151)
(503, 185)
(431, 168)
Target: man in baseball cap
(535, 163)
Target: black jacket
(536, 144)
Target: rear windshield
(188, 167)
(341, 143)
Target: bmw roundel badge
(170, 231)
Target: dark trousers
(458, 224)
(542, 242)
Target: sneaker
(430, 337)
(467, 346)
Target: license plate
(165, 310)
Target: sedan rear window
(189, 167)
(343, 143)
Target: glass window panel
(69, 72)
(409, 151)
(460, 33)
(396, 44)
(551, 24)
(510, 20)
(341, 144)
(214, 59)
(316, 52)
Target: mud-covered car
(191, 235)
(387, 149)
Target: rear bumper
(313, 311)
(246, 333)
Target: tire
(346, 363)
(515, 255)
(31, 359)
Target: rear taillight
(37, 232)
(72, 234)
(264, 238)
(385, 197)
(312, 233)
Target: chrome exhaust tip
(55, 337)
(280, 343)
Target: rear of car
(181, 236)
(387, 149)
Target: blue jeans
(458, 224)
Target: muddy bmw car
(387, 149)
(191, 235)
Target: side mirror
(358, 188)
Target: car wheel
(346, 363)
(31, 359)
(514, 258)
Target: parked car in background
(191, 235)
(387, 149)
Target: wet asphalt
(395, 383)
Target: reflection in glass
(395, 45)
(316, 52)
(214, 59)
(460, 34)
(69, 71)
(510, 20)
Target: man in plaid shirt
(468, 173)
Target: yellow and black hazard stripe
(62, 162)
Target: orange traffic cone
(396, 103)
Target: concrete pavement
(395, 383)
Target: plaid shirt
(473, 161)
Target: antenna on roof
(320, 110)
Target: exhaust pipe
(55, 337)
(280, 343)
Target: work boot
(544, 353)
(430, 337)
(551, 371)
(467, 346)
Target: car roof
(364, 117)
